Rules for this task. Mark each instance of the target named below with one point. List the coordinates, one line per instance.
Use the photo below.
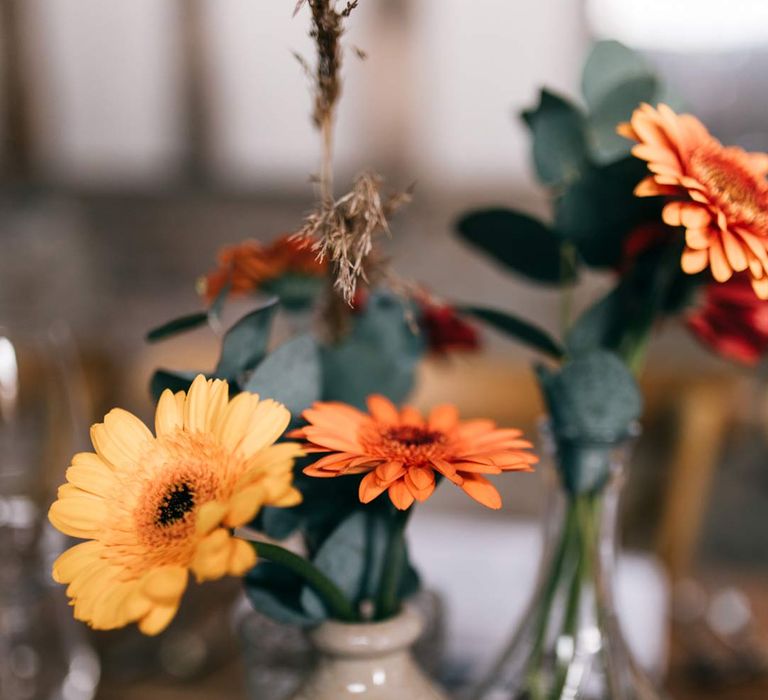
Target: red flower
(641, 239)
(732, 321)
(445, 330)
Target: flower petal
(400, 496)
(482, 490)
(165, 584)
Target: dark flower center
(177, 502)
(412, 436)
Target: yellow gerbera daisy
(153, 508)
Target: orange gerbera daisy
(719, 194)
(250, 265)
(402, 451)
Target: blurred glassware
(569, 644)
(44, 654)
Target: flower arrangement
(240, 452)
(653, 199)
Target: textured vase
(371, 661)
(569, 643)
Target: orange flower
(401, 451)
(250, 265)
(719, 194)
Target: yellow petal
(157, 619)
(218, 398)
(70, 563)
(169, 416)
(196, 405)
(242, 557)
(91, 579)
(165, 584)
(97, 479)
(291, 497)
(209, 516)
(237, 416)
(121, 438)
(78, 517)
(212, 556)
(268, 423)
(244, 505)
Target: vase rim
(365, 639)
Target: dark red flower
(445, 330)
(732, 321)
(640, 240)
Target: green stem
(567, 266)
(336, 603)
(548, 597)
(387, 603)
(582, 507)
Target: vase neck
(365, 640)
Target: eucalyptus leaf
(278, 523)
(529, 334)
(177, 325)
(517, 241)
(593, 397)
(609, 65)
(217, 306)
(613, 108)
(291, 374)
(275, 592)
(379, 354)
(245, 343)
(600, 326)
(351, 557)
(559, 139)
(598, 212)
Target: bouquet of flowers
(652, 198)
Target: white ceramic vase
(370, 661)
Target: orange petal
(382, 409)
(697, 238)
(761, 287)
(389, 471)
(482, 490)
(694, 261)
(400, 496)
(410, 416)
(672, 214)
(443, 418)
(370, 488)
(734, 251)
(447, 470)
(648, 187)
(421, 477)
(694, 216)
(718, 263)
(625, 129)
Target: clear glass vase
(569, 643)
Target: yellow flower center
(157, 525)
(740, 194)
